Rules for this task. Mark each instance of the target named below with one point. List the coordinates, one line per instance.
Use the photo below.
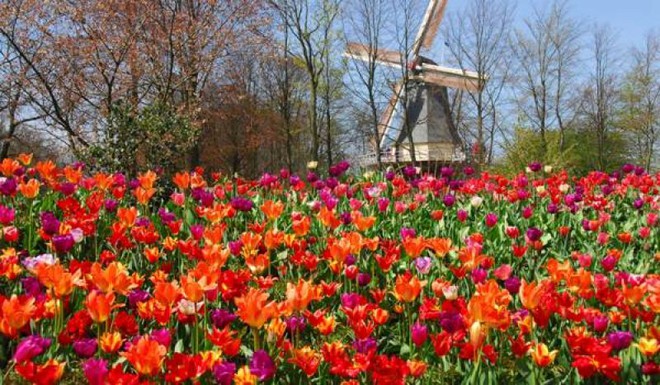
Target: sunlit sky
(629, 19)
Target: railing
(404, 156)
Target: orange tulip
(489, 305)
(440, 246)
(113, 278)
(58, 279)
(542, 355)
(306, 359)
(361, 222)
(100, 305)
(181, 180)
(531, 293)
(110, 342)
(417, 368)
(166, 293)
(253, 308)
(244, 377)
(272, 209)
(17, 311)
(30, 189)
(407, 287)
(146, 356)
(8, 166)
(414, 246)
(328, 218)
(298, 296)
(634, 294)
(26, 159)
(251, 242)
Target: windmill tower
(427, 121)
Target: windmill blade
(385, 122)
(452, 78)
(429, 27)
(383, 56)
(434, 25)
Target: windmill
(435, 139)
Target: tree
(478, 38)
(547, 50)
(139, 52)
(639, 116)
(310, 24)
(365, 25)
(600, 96)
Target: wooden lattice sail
(427, 118)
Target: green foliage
(578, 155)
(153, 137)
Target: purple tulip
(535, 166)
(224, 372)
(451, 321)
(600, 323)
(7, 215)
(31, 347)
(449, 200)
(222, 318)
(419, 333)
(383, 204)
(363, 279)
(241, 204)
(423, 265)
(95, 370)
(49, 223)
(235, 247)
(534, 234)
(295, 324)
(162, 336)
(620, 340)
(461, 215)
(512, 285)
(262, 365)
(137, 296)
(85, 347)
(479, 275)
(491, 219)
(8, 186)
(63, 243)
(365, 346)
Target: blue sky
(630, 19)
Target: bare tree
(365, 25)
(477, 38)
(547, 51)
(640, 115)
(310, 24)
(601, 93)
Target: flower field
(392, 278)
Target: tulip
(96, 371)
(63, 243)
(30, 347)
(85, 347)
(491, 219)
(262, 366)
(620, 340)
(419, 333)
(542, 355)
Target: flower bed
(384, 279)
